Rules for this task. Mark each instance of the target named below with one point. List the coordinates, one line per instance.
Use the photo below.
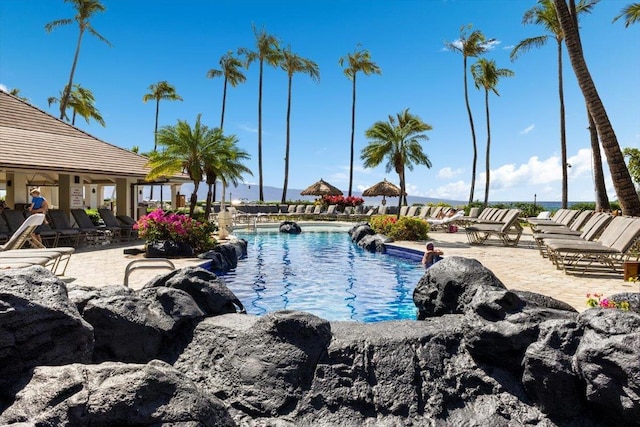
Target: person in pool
(431, 256)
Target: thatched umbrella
(384, 189)
(321, 188)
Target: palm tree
(470, 45)
(544, 14)
(160, 91)
(81, 101)
(486, 75)
(16, 92)
(631, 14)
(399, 141)
(293, 63)
(184, 151)
(602, 199)
(85, 9)
(358, 61)
(622, 182)
(223, 161)
(230, 69)
(267, 50)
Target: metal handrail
(152, 263)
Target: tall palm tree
(602, 199)
(82, 102)
(184, 151)
(625, 190)
(631, 14)
(470, 45)
(85, 9)
(293, 63)
(224, 161)
(399, 141)
(230, 69)
(544, 14)
(358, 61)
(486, 75)
(160, 91)
(267, 50)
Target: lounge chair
(566, 226)
(564, 220)
(610, 251)
(331, 212)
(557, 216)
(110, 220)
(591, 231)
(5, 232)
(103, 234)
(508, 231)
(12, 256)
(444, 223)
(59, 221)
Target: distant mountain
(249, 193)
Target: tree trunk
(155, 139)
(488, 153)
(194, 199)
(563, 133)
(602, 199)
(207, 208)
(286, 151)
(224, 102)
(402, 191)
(473, 134)
(622, 182)
(260, 190)
(353, 130)
(67, 89)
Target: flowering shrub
(405, 228)
(160, 226)
(342, 201)
(595, 300)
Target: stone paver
(519, 267)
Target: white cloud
(527, 129)
(458, 190)
(448, 173)
(247, 128)
(4, 88)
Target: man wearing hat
(38, 205)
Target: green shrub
(405, 228)
(95, 216)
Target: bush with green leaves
(405, 228)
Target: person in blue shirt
(38, 205)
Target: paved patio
(519, 267)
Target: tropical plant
(229, 69)
(405, 228)
(267, 50)
(81, 101)
(470, 45)
(224, 161)
(158, 226)
(16, 92)
(85, 9)
(633, 162)
(185, 149)
(293, 63)
(341, 201)
(625, 190)
(399, 141)
(486, 75)
(358, 61)
(631, 14)
(544, 14)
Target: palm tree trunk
(207, 208)
(622, 182)
(602, 199)
(286, 151)
(353, 130)
(194, 198)
(488, 153)
(261, 193)
(67, 89)
(155, 139)
(563, 133)
(402, 191)
(473, 135)
(73, 118)
(224, 102)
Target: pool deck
(519, 267)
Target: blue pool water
(323, 273)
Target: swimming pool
(324, 273)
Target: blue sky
(179, 41)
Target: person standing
(38, 205)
